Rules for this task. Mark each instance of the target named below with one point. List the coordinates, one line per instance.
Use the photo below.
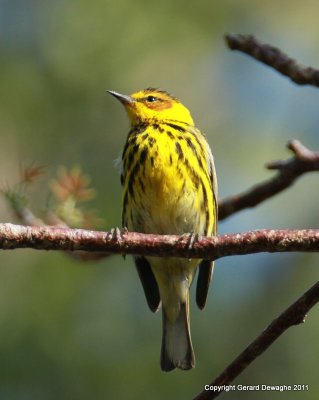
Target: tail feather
(177, 349)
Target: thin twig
(273, 57)
(304, 160)
(293, 315)
(48, 238)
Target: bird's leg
(117, 235)
(192, 239)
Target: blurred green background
(81, 331)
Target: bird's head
(153, 105)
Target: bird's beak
(124, 98)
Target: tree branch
(304, 160)
(50, 238)
(293, 315)
(273, 57)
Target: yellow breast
(166, 188)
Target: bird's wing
(148, 282)
(206, 267)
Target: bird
(169, 187)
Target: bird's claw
(117, 235)
(192, 239)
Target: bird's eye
(151, 99)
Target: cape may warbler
(169, 187)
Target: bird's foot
(117, 235)
(192, 239)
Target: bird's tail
(177, 349)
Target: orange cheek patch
(160, 105)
